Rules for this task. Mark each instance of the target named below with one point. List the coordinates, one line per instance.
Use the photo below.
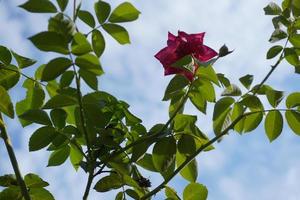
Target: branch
(14, 161)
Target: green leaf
(60, 100)
(9, 76)
(22, 61)
(34, 181)
(63, 26)
(147, 163)
(34, 100)
(189, 172)
(55, 68)
(184, 123)
(206, 89)
(277, 35)
(11, 193)
(186, 145)
(125, 12)
(195, 191)
(40, 193)
(59, 156)
(80, 45)
(98, 42)
(5, 55)
(50, 41)
(102, 10)
(252, 102)
(39, 6)
(246, 80)
(87, 18)
(66, 79)
(58, 117)
(62, 4)
(131, 120)
(107, 183)
(274, 51)
(252, 121)
(293, 120)
(36, 116)
(223, 80)
(293, 100)
(220, 115)
(120, 196)
(272, 9)
(175, 86)
(118, 32)
(89, 78)
(273, 124)
(41, 138)
(198, 101)
(232, 90)
(90, 63)
(163, 153)
(291, 56)
(8, 180)
(6, 106)
(171, 193)
(274, 97)
(208, 73)
(75, 157)
(295, 40)
(236, 112)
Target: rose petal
(205, 53)
(167, 56)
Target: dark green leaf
(66, 79)
(40, 193)
(90, 63)
(6, 106)
(175, 86)
(62, 4)
(118, 32)
(252, 102)
(147, 163)
(39, 6)
(277, 35)
(102, 10)
(9, 76)
(11, 193)
(273, 124)
(120, 196)
(34, 181)
(189, 172)
(8, 180)
(55, 68)
(89, 78)
(50, 41)
(36, 116)
(125, 12)
(58, 117)
(98, 42)
(274, 97)
(232, 90)
(223, 80)
(293, 120)
(163, 153)
(186, 145)
(41, 138)
(272, 9)
(107, 183)
(293, 100)
(22, 61)
(195, 191)
(274, 51)
(60, 100)
(246, 80)
(5, 55)
(87, 18)
(59, 156)
(80, 45)
(221, 106)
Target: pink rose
(182, 45)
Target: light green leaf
(236, 112)
(274, 51)
(55, 68)
(171, 193)
(125, 12)
(273, 124)
(274, 97)
(246, 80)
(41, 138)
(40, 193)
(184, 123)
(59, 156)
(295, 40)
(232, 90)
(87, 18)
(98, 42)
(36, 116)
(208, 73)
(291, 56)
(80, 45)
(39, 6)
(189, 172)
(90, 63)
(50, 41)
(118, 32)
(293, 120)
(107, 183)
(6, 106)
(220, 115)
(22, 61)
(252, 102)
(195, 191)
(198, 101)
(252, 121)
(60, 100)
(5, 55)
(163, 153)
(293, 100)
(206, 89)
(75, 157)
(102, 10)
(11, 193)
(175, 86)
(9, 76)
(34, 181)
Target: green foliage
(36, 116)
(195, 191)
(39, 6)
(41, 138)
(55, 68)
(9, 76)
(22, 61)
(6, 105)
(5, 55)
(59, 156)
(125, 12)
(98, 42)
(273, 124)
(112, 181)
(274, 51)
(102, 10)
(87, 18)
(119, 33)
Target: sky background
(241, 167)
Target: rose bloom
(182, 45)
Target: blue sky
(242, 167)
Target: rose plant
(97, 131)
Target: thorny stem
(13, 160)
(216, 138)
